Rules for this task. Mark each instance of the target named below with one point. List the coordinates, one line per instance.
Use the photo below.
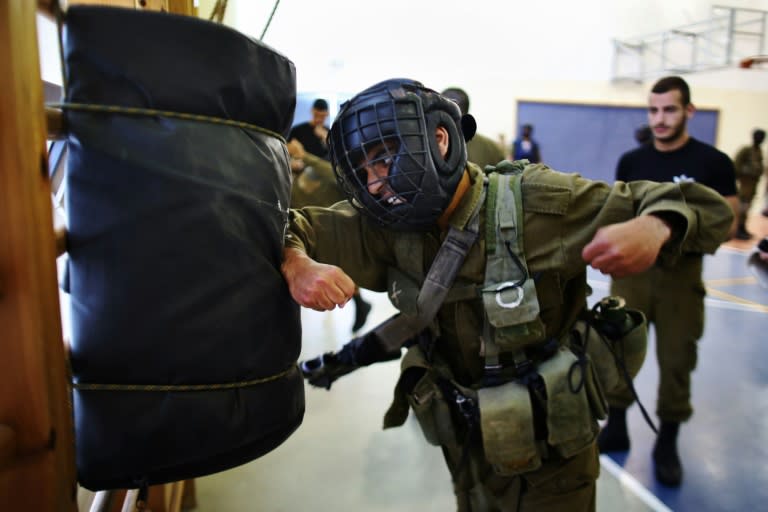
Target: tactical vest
(561, 390)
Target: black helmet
(399, 116)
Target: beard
(676, 133)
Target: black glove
(322, 371)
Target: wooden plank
(39, 473)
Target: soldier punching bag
(184, 337)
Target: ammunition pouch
(507, 428)
(507, 415)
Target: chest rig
(548, 397)
(512, 320)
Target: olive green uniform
(482, 150)
(315, 184)
(562, 212)
(748, 165)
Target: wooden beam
(39, 473)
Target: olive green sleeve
(567, 209)
(339, 236)
(322, 167)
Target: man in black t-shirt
(671, 298)
(312, 134)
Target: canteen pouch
(598, 402)
(633, 345)
(506, 424)
(570, 424)
(630, 349)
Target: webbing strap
(437, 283)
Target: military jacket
(749, 162)
(482, 150)
(562, 213)
(316, 185)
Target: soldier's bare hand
(315, 285)
(628, 247)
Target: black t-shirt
(305, 133)
(695, 161)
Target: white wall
(499, 51)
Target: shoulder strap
(450, 257)
(510, 301)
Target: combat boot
(742, 233)
(668, 469)
(362, 308)
(613, 436)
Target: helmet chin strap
(461, 189)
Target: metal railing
(719, 42)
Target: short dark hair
(459, 96)
(673, 83)
(320, 104)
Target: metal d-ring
(503, 286)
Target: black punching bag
(184, 336)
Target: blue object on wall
(590, 139)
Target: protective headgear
(393, 124)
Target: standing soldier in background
(643, 135)
(481, 150)
(749, 167)
(672, 298)
(493, 375)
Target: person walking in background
(313, 133)
(526, 147)
(481, 150)
(672, 298)
(749, 167)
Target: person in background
(672, 298)
(526, 147)
(313, 133)
(643, 135)
(399, 151)
(481, 150)
(749, 167)
(758, 262)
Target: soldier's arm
(627, 247)
(315, 285)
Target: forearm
(703, 217)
